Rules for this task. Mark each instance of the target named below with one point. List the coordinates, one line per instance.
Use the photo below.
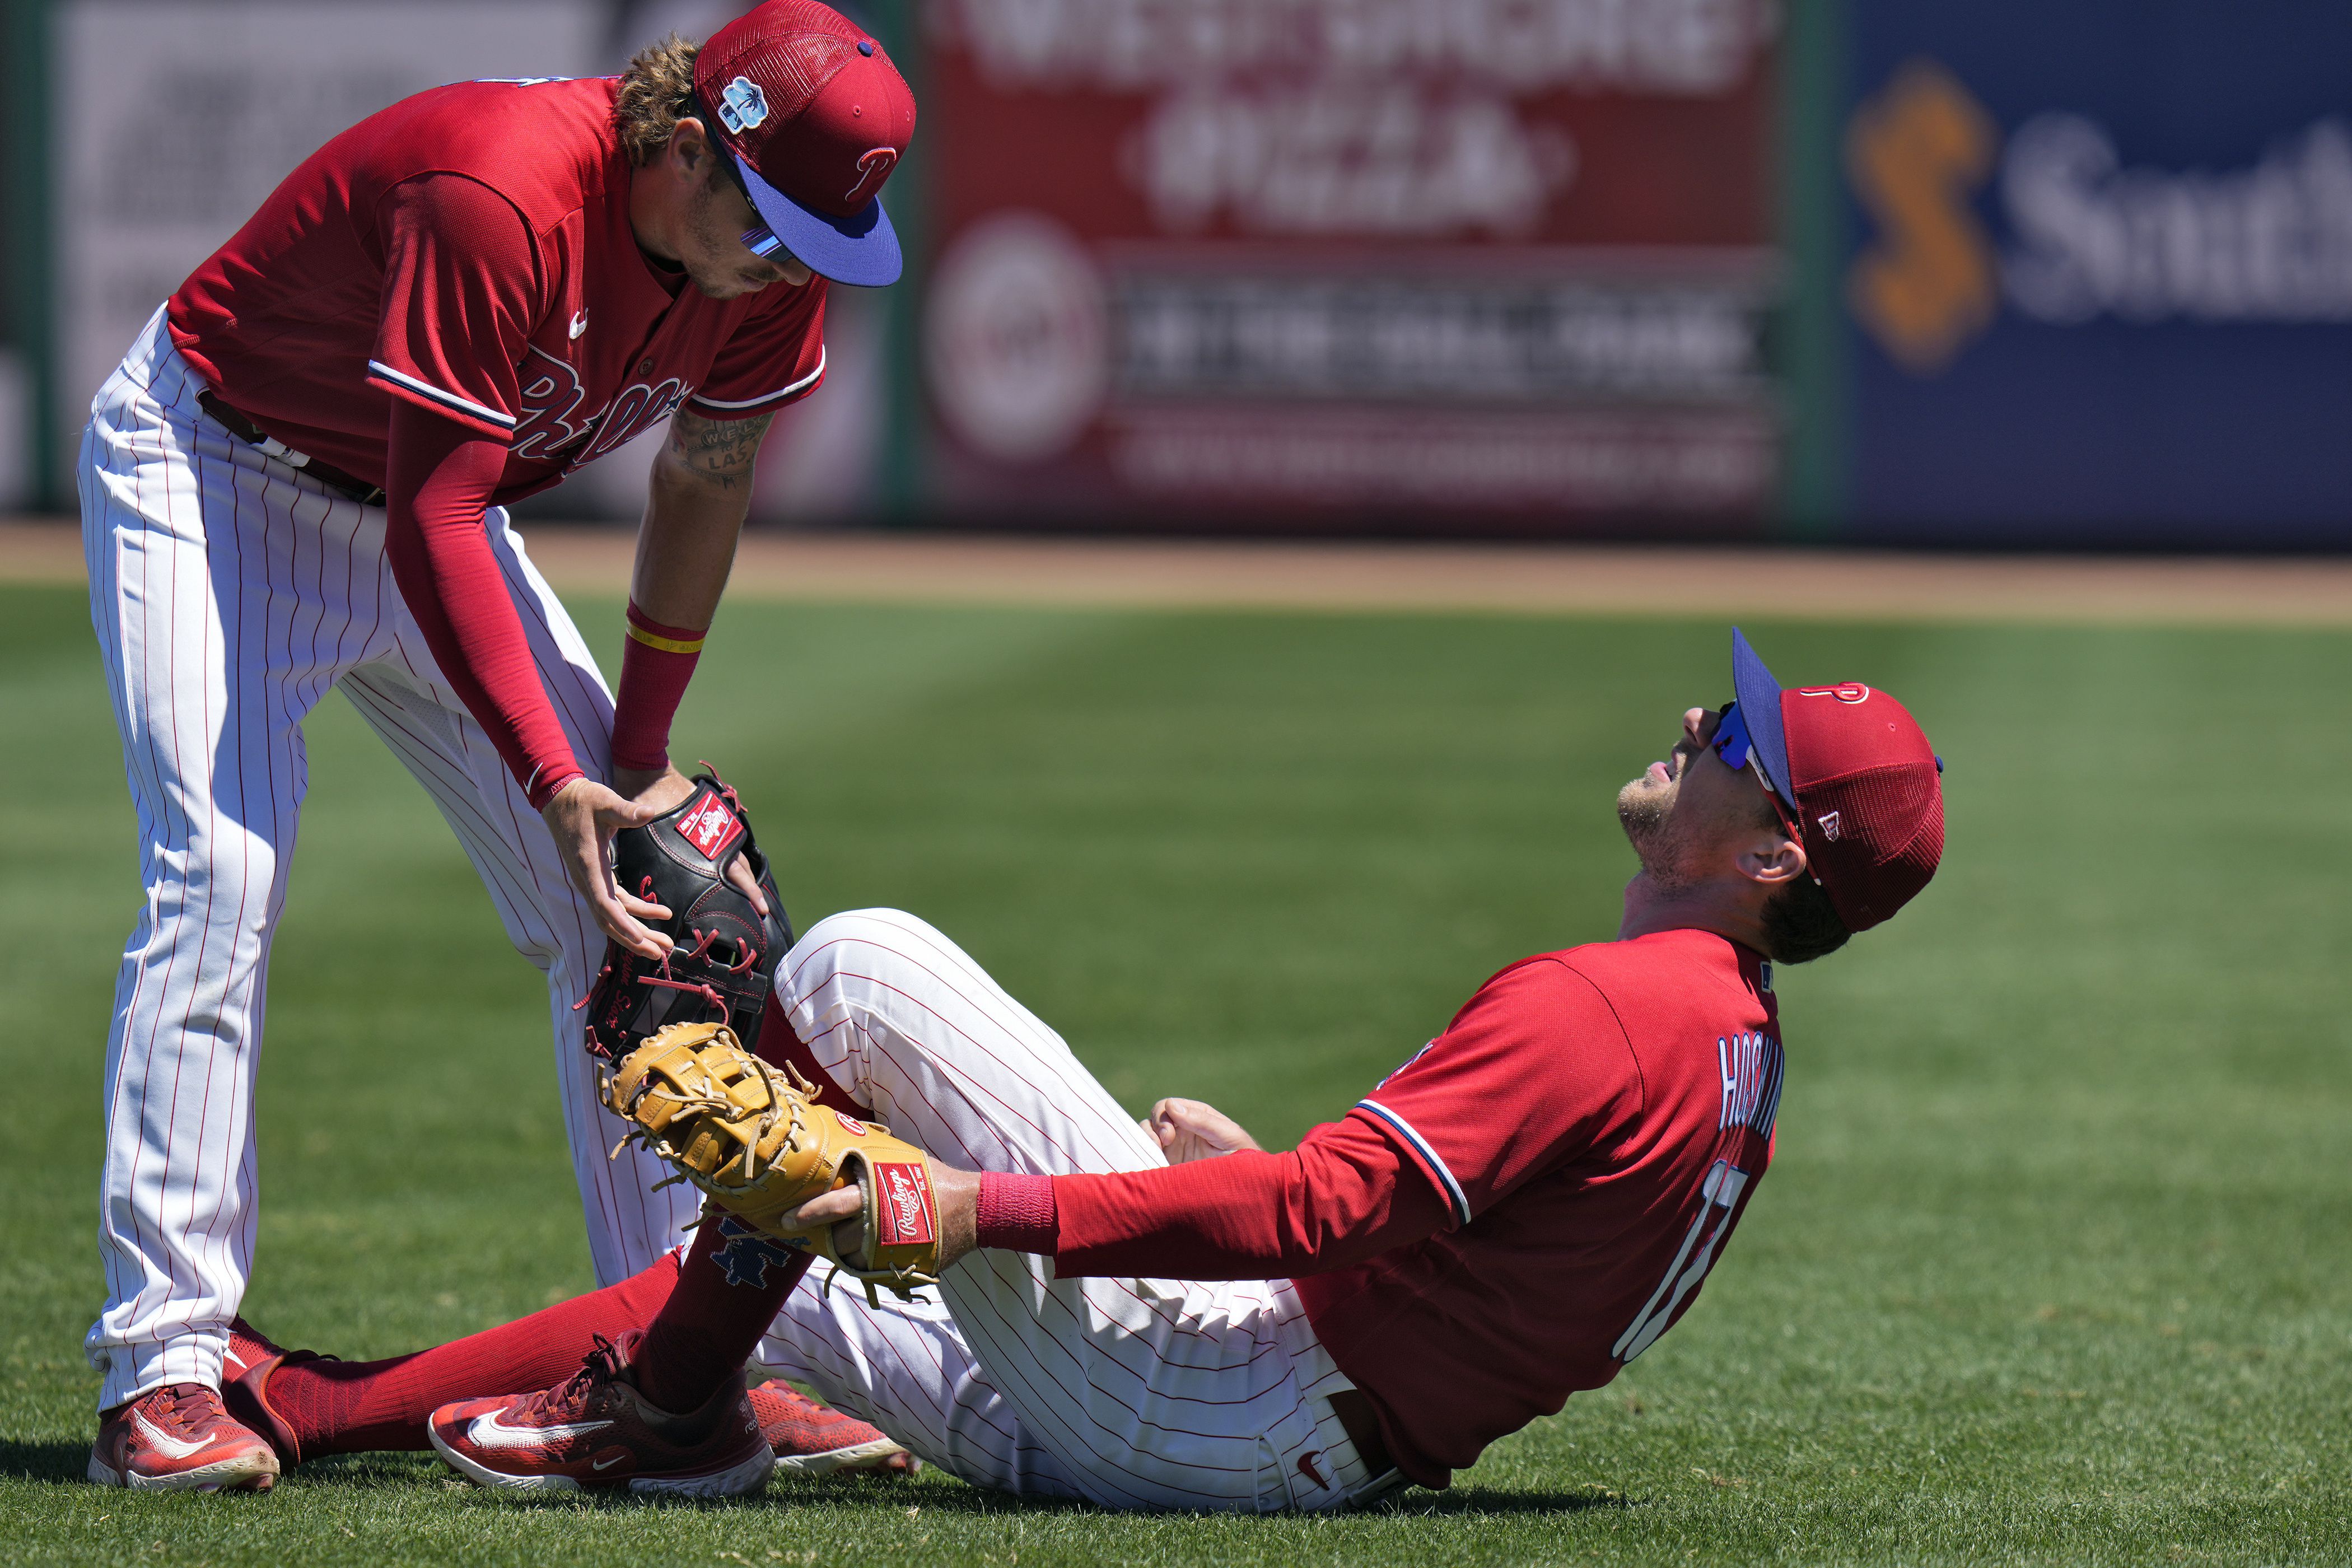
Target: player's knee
(856, 942)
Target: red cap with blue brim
(1855, 770)
(813, 117)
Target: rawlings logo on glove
(722, 967)
(906, 1203)
(709, 826)
(751, 1136)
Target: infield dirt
(1534, 579)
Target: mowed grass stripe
(2046, 1268)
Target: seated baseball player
(1165, 1315)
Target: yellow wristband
(667, 645)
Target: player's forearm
(440, 479)
(701, 492)
(1339, 1199)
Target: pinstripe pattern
(1128, 1393)
(228, 594)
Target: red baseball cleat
(597, 1432)
(180, 1438)
(810, 1440)
(245, 1366)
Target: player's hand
(957, 1193)
(662, 789)
(583, 817)
(1194, 1130)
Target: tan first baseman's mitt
(752, 1138)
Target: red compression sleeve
(657, 661)
(1334, 1201)
(439, 481)
(1015, 1214)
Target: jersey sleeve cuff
(726, 408)
(1419, 1152)
(475, 416)
(547, 782)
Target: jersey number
(1725, 1181)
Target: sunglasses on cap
(760, 241)
(1732, 742)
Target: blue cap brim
(863, 250)
(1759, 705)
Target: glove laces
(703, 1095)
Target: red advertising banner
(1504, 261)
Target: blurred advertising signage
(1490, 259)
(2103, 286)
(198, 108)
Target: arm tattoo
(719, 452)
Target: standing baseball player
(1517, 1212)
(297, 480)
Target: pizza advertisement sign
(1478, 263)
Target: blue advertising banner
(2099, 286)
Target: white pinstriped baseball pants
(1127, 1392)
(228, 594)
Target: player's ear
(689, 144)
(1771, 858)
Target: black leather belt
(1363, 1430)
(327, 474)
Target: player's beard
(715, 240)
(1670, 853)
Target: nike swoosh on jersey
(578, 324)
(490, 1432)
(163, 1443)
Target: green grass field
(2052, 1266)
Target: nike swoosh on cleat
(608, 1464)
(490, 1432)
(163, 1443)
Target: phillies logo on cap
(813, 117)
(710, 827)
(874, 167)
(1844, 691)
(906, 1211)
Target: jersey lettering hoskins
(468, 250)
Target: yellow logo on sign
(1917, 152)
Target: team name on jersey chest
(556, 424)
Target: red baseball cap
(1866, 789)
(814, 117)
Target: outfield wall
(2099, 273)
(2075, 271)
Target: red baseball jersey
(469, 249)
(1595, 1122)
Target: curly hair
(657, 92)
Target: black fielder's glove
(722, 968)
